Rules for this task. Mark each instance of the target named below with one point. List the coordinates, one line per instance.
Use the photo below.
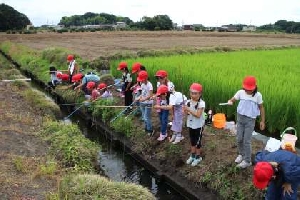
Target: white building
(249, 28)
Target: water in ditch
(119, 166)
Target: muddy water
(119, 166)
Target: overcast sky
(206, 12)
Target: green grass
(221, 74)
(69, 146)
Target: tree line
(282, 26)
(158, 22)
(11, 19)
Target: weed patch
(69, 146)
(123, 125)
(95, 187)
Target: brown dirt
(21, 150)
(91, 45)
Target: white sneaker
(173, 137)
(239, 159)
(190, 160)
(244, 164)
(178, 139)
(196, 161)
(162, 137)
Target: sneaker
(178, 139)
(172, 138)
(239, 159)
(196, 161)
(190, 160)
(244, 164)
(162, 137)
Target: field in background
(94, 44)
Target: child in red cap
(195, 122)
(73, 67)
(145, 101)
(250, 106)
(280, 172)
(127, 83)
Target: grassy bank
(48, 159)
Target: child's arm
(262, 124)
(164, 107)
(231, 101)
(196, 113)
(147, 97)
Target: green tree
(163, 22)
(12, 19)
(158, 22)
(93, 18)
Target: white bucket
(288, 138)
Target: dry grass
(92, 45)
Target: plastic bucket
(219, 120)
(287, 138)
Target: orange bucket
(219, 120)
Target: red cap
(262, 174)
(143, 75)
(64, 77)
(162, 90)
(58, 75)
(161, 73)
(196, 87)
(101, 86)
(70, 57)
(77, 77)
(122, 65)
(90, 85)
(136, 67)
(249, 83)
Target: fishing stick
(123, 111)
(18, 79)
(58, 71)
(73, 112)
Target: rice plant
(221, 74)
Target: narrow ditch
(117, 161)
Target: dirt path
(22, 153)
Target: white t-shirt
(127, 77)
(72, 66)
(192, 121)
(169, 84)
(176, 98)
(248, 105)
(146, 88)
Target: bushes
(77, 187)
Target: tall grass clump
(96, 187)
(69, 146)
(221, 74)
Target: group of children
(90, 83)
(165, 101)
(280, 169)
